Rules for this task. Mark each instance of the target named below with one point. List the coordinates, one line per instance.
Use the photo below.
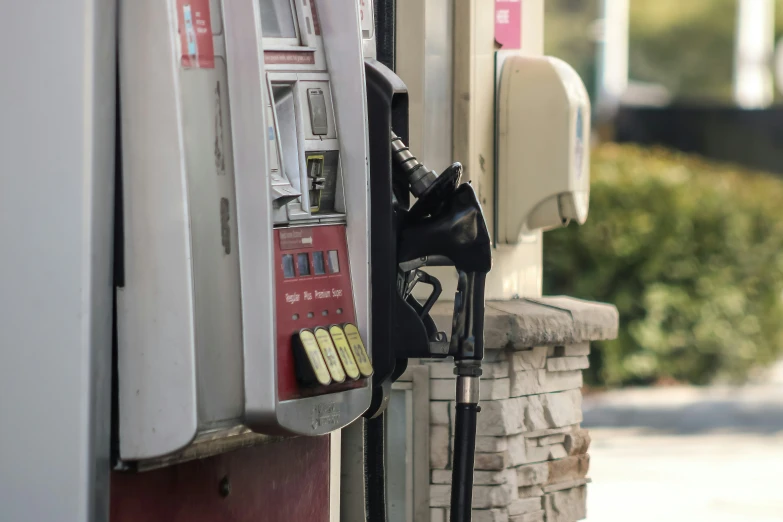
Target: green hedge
(690, 252)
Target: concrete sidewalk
(687, 454)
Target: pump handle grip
(467, 328)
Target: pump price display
(344, 351)
(358, 349)
(330, 355)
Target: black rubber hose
(464, 453)
(375, 468)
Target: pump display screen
(319, 267)
(277, 19)
(334, 262)
(288, 266)
(303, 262)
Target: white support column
(753, 51)
(424, 61)
(533, 26)
(335, 469)
(57, 100)
(517, 269)
(613, 56)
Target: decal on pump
(195, 33)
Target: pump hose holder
(445, 227)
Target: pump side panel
(281, 482)
(57, 122)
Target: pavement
(687, 454)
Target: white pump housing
(543, 146)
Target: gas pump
(244, 303)
(243, 298)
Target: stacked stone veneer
(531, 454)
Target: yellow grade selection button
(314, 356)
(330, 355)
(344, 351)
(358, 349)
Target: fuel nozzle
(447, 223)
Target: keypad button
(344, 351)
(330, 355)
(311, 368)
(358, 349)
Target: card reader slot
(285, 111)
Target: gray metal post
(57, 101)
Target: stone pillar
(531, 453)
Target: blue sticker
(579, 145)
(271, 133)
(191, 34)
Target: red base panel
(282, 482)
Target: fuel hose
(467, 359)
(464, 452)
(375, 468)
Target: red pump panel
(286, 481)
(313, 287)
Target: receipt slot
(243, 279)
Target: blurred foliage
(690, 252)
(569, 34)
(686, 46)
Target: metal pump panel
(243, 302)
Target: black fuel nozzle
(447, 225)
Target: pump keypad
(327, 356)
